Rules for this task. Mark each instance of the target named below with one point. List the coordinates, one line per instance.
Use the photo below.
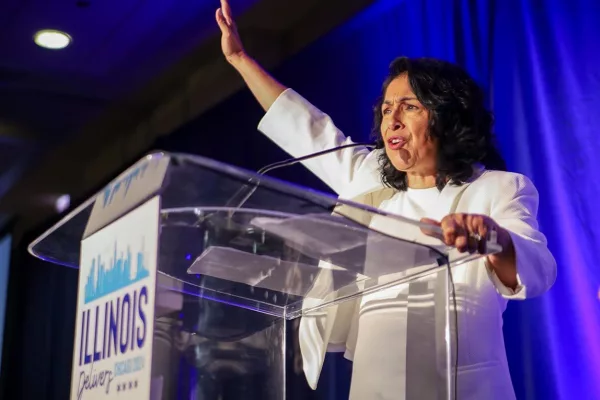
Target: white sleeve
(515, 209)
(300, 129)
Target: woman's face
(404, 128)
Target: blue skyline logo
(117, 276)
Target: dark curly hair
(458, 119)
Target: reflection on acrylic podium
(185, 292)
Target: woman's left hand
(466, 232)
(470, 232)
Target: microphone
(292, 161)
(285, 163)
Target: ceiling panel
(47, 96)
(117, 44)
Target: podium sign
(115, 308)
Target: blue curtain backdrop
(540, 64)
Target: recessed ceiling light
(62, 203)
(52, 39)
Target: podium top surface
(232, 236)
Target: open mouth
(396, 142)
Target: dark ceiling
(118, 46)
(136, 69)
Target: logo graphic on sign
(133, 186)
(106, 281)
(115, 313)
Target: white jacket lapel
(451, 195)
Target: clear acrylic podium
(243, 259)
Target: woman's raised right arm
(290, 121)
(263, 86)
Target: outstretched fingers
(227, 12)
(221, 21)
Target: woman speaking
(434, 139)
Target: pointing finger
(431, 232)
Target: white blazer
(510, 199)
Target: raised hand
(231, 44)
(262, 85)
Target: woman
(433, 134)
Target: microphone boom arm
(281, 164)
